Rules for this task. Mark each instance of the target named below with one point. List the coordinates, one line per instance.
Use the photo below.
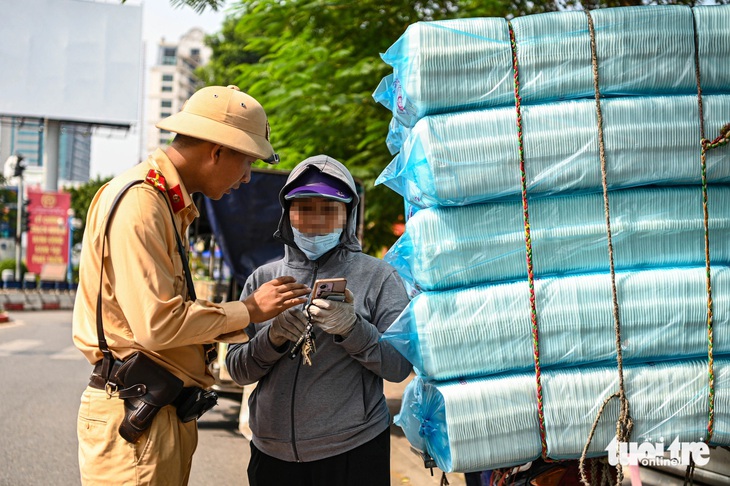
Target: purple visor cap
(314, 183)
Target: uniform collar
(180, 200)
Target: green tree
(81, 198)
(8, 211)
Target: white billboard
(73, 60)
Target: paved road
(42, 378)
(40, 385)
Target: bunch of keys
(326, 288)
(309, 348)
(306, 344)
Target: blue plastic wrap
(451, 247)
(397, 135)
(484, 330)
(469, 157)
(714, 42)
(639, 51)
(487, 423)
(411, 419)
(466, 64)
(472, 425)
(448, 65)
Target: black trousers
(367, 465)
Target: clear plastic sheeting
(472, 425)
(491, 422)
(639, 51)
(469, 157)
(450, 247)
(714, 44)
(448, 65)
(460, 146)
(466, 64)
(485, 330)
(397, 135)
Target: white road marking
(18, 345)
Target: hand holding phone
(336, 315)
(329, 288)
(325, 288)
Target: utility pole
(18, 172)
(51, 135)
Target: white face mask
(316, 245)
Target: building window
(167, 77)
(165, 114)
(194, 52)
(164, 132)
(166, 104)
(167, 89)
(169, 56)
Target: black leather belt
(97, 381)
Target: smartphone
(329, 288)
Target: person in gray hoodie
(324, 423)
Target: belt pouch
(147, 388)
(193, 402)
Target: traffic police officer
(133, 284)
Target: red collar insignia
(176, 198)
(156, 180)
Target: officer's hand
(334, 317)
(287, 326)
(275, 296)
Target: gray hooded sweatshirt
(305, 413)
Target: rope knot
(725, 131)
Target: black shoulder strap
(108, 357)
(182, 251)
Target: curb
(35, 301)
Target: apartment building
(172, 81)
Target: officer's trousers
(162, 455)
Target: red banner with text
(48, 232)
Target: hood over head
(310, 171)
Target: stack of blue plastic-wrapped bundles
(468, 330)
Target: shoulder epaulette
(156, 180)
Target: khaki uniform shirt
(144, 293)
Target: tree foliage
(81, 198)
(8, 209)
(314, 65)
